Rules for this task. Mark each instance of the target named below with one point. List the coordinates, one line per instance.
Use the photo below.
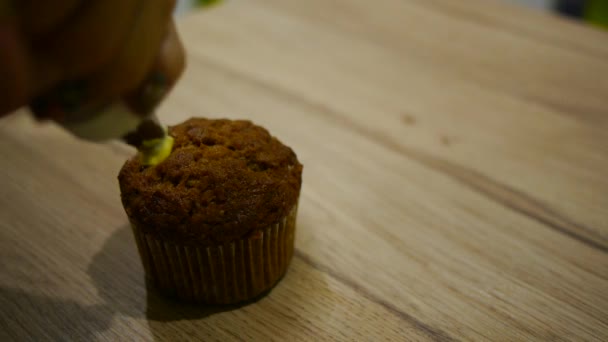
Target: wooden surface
(455, 185)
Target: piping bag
(132, 120)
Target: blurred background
(592, 11)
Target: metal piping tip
(149, 129)
(151, 140)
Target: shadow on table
(35, 317)
(118, 277)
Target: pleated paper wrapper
(230, 273)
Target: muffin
(215, 221)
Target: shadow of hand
(61, 317)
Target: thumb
(166, 71)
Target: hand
(103, 50)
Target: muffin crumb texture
(223, 180)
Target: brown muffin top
(222, 181)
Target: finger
(127, 71)
(172, 58)
(167, 69)
(39, 17)
(13, 62)
(89, 38)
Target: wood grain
(454, 187)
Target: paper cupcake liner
(225, 274)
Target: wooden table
(455, 184)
